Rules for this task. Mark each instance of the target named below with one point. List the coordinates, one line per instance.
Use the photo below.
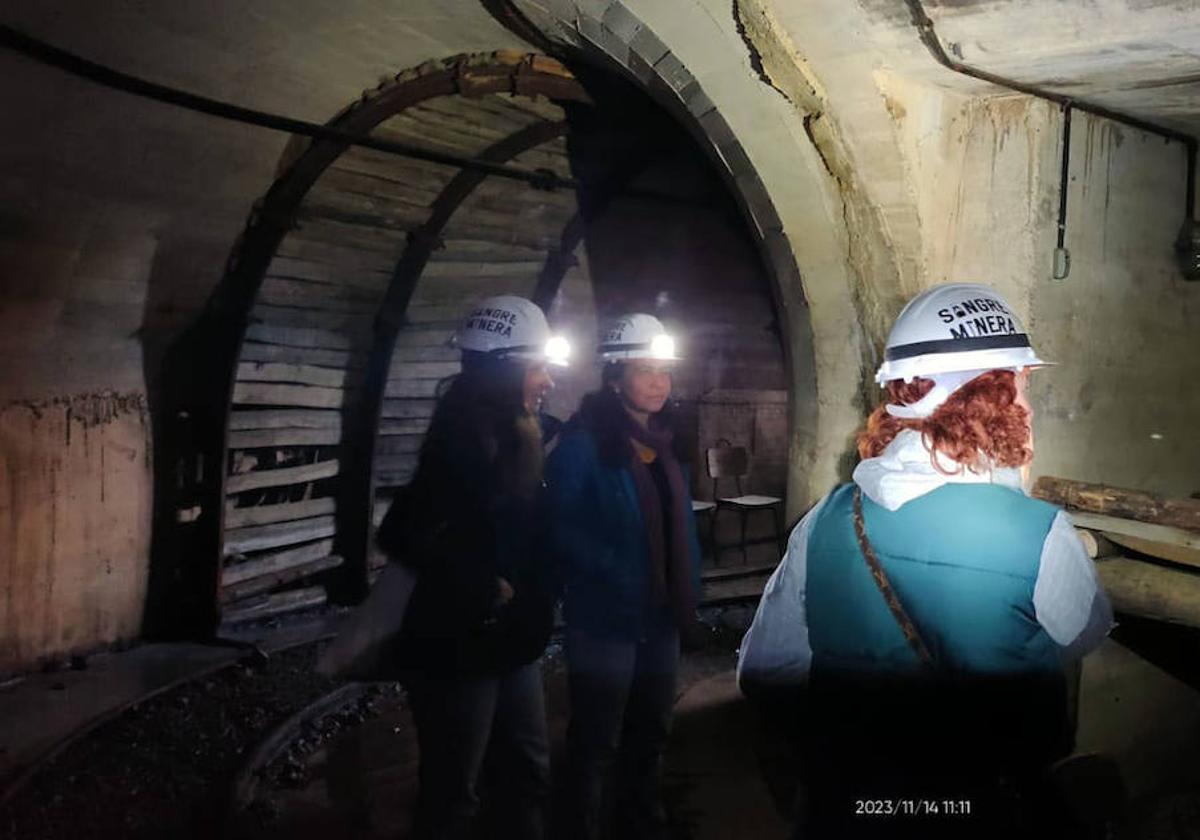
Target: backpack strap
(885, 586)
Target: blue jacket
(600, 538)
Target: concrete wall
(1124, 326)
(75, 506)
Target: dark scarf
(671, 576)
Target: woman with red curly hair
(930, 605)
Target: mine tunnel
(241, 244)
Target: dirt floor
(162, 768)
(167, 767)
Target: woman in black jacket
(471, 525)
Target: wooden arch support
(204, 362)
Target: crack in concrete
(780, 66)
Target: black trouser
(462, 720)
(622, 695)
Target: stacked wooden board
(1147, 547)
(303, 362)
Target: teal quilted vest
(963, 560)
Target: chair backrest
(727, 461)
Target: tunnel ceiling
(1140, 58)
(307, 57)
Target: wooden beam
(291, 316)
(336, 257)
(342, 359)
(285, 418)
(271, 580)
(1163, 551)
(296, 374)
(1143, 530)
(408, 409)
(388, 427)
(423, 370)
(1096, 544)
(432, 353)
(259, 479)
(258, 438)
(267, 514)
(310, 396)
(310, 337)
(269, 605)
(340, 272)
(421, 388)
(426, 336)
(1151, 591)
(1119, 502)
(284, 291)
(277, 534)
(277, 561)
(399, 444)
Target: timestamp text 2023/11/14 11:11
(912, 807)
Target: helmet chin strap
(944, 384)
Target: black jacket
(461, 524)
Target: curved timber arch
(274, 381)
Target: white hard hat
(956, 328)
(636, 336)
(511, 327)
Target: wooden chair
(726, 461)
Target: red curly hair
(979, 426)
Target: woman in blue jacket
(623, 525)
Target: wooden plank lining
(284, 418)
(411, 388)
(308, 396)
(427, 335)
(258, 479)
(253, 351)
(269, 605)
(258, 438)
(337, 270)
(303, 337)
(277, 534)
(337, 257)
(267, 514)
(423, 370)
(271, 580)
(408, 409)
(432, 353)
(296, 374)
(291, 316)
(282, 291)
(275, 561)
(415, 426)
(398, 445)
